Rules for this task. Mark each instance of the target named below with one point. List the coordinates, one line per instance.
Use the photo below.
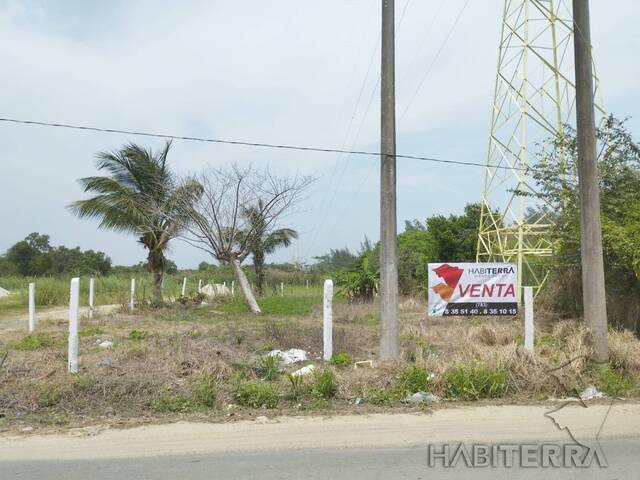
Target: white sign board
(472, 289)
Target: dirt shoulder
(469, 424)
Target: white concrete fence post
(282, 289)
(528, 319)
(32, 307)
(91, 297)
(199, 285)
(74, 307)
(327, 331)
(233, 288)
(132, 301)
(184, 286)
(307, 284)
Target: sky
(285, 71)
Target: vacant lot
(209, 362)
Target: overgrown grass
(257, 395)
(475, 382)
(614, 382)
(35, 341)
(341, 359)
(412, 379)
(275, 305)
(325, 384)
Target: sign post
(327, 331)
(528, 319)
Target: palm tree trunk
(245, 288)
(156, 265)
(258, 266)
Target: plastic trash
(304, 371)
(292, 355)
(422, 397)
(590, 393)
(104, 344)
(359, 400)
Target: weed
(34, 341)
(325, 384)
(296, 387)
(89, 332)
(341, 359)
(412, 379)
(257, 395)
(473, 382)
(204, 392)
(269, 368)
(613, 382)
(379, 396)
(138, 335)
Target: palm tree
(264, 241)
(141, 196)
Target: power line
(435, 59)
(254, 144)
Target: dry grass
(177, 354)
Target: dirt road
(468, 424)
(18, 321)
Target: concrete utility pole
(593, 289)
(389, 329)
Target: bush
(257, 395)
(413, 379)
(325, 384)
(35, 341)
(464, 382)
(341, 359)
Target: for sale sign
(472, 289)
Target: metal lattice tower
(534, 98)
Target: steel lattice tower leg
(534, 98)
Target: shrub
(257, 395)
(269, 368)
(465, 382)
(325, 384)
(341, 359)
(613, 382)
(35, 341)
(412, 379)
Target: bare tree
(218, 223)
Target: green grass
(91, 331)
(299, 305)
(614, 383)
(341, 359)
(257, 395)
(411, 380)
(475, 382)
(325, 383)
(35, 341)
